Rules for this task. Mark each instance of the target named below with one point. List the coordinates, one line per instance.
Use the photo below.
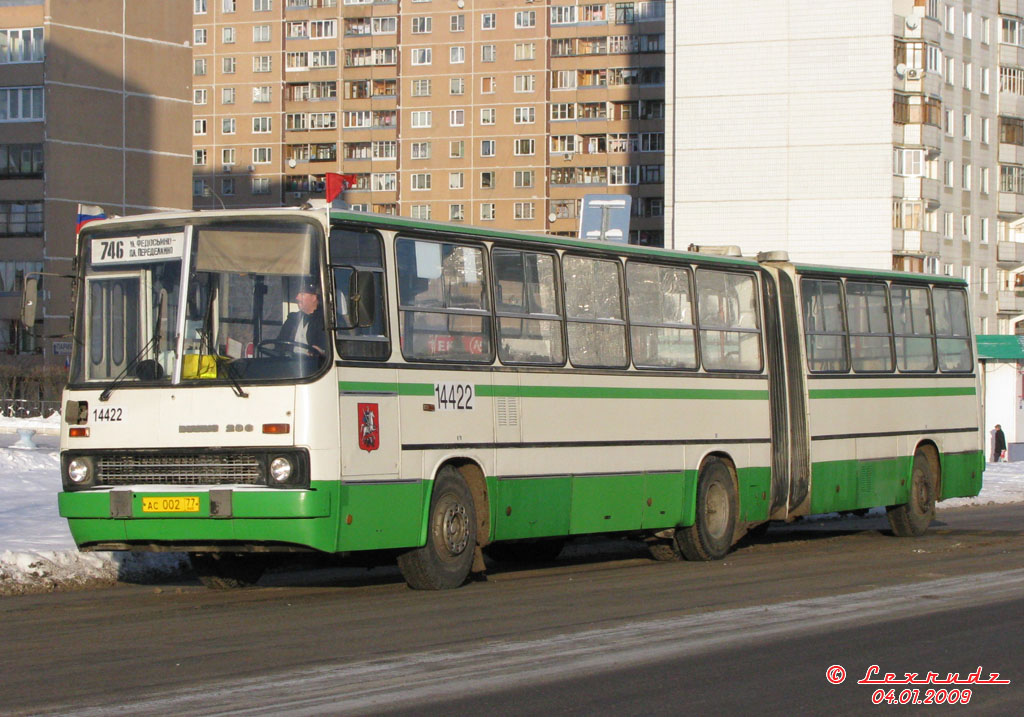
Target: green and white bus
(453, 389)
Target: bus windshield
(237, 302)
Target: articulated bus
(249, 385)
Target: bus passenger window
(361, 251)
(953, 337)
(525, 298)
(661, 325)
(442, 302)
(912, 327)
(823, 325)
(593, 305)
(730, 337)
(867, 311)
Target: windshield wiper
(120, 378)
(229, 369)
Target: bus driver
(305, 327)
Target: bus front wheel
(710, 536)
(912, 518)
(445, 561)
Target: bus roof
(879, 274)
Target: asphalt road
(602, 629)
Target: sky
(38, 554)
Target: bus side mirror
(357, 307)
(29, 301)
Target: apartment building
(94, 99)
(488, 112)
(879, 133)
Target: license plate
(177, 504)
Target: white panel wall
(782, 128)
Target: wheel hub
(455, 529)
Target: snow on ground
(37, 552)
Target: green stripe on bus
(891, 392)
(512, 391)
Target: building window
(227, 96)
(227, 35)
(420, 150)
(199, 67)
(526, 18)
(487, 180)
(420, 211)
(261, 33)
(199, 127)
(968, 71)
(199, 7)
(227, 125)
(488, 53)
(966, 125)
(421, 88)
(199, 97)
(523, 210)
(21, 160)
(260, 185)
(985, 180)
(261, 155)
(420, 182)
(198, 36)
(458, 23)
(524, 147)
(199, 157)
(227, 157)
(525, 50)
(488, 84)
(261, 63)
(985, 127)
(227, 65)
(421, 119)
(456, 180)
(457, 149)
(262, 5)
(947, 172)
(456, 212)
(525, 115)
(422, 56)
(261, 125)
(456, 86)
(227, 186)
(525, 83)
(261, 94)
(422, 25)
(488, 21)
(487, 148)
(456, 55)
(524, 178)
(487, 212)
(21, 218)
(488, 116)
(228, 5)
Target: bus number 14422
(454, 396)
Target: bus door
(788, 395)
(116, 317)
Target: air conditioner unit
(252, 168)
(227, 169)
(914, 74)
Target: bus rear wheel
(445, 561)
(710, 536)
(226, 571)
(912, 518)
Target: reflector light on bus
(276, 428)
(78, 432)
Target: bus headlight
(281, 469)
(79, 471)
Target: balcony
(915, 242)
(1011, 205)
(917, 27)
(1009, 254)
(1010, 303)
(921, 135)
(917, 188)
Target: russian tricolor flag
(88, 213)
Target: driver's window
(359, 251)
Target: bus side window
(824, 329)
(593, 306)
(867, 311)
(525, 298)
(953, 337)
(359, 251)
(443, 301)
(912, 328)
(730, 338)
(661, 326)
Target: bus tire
(227, 571)
(710, 536)
(445, 561)
(912, 518)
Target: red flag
(335, 184)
